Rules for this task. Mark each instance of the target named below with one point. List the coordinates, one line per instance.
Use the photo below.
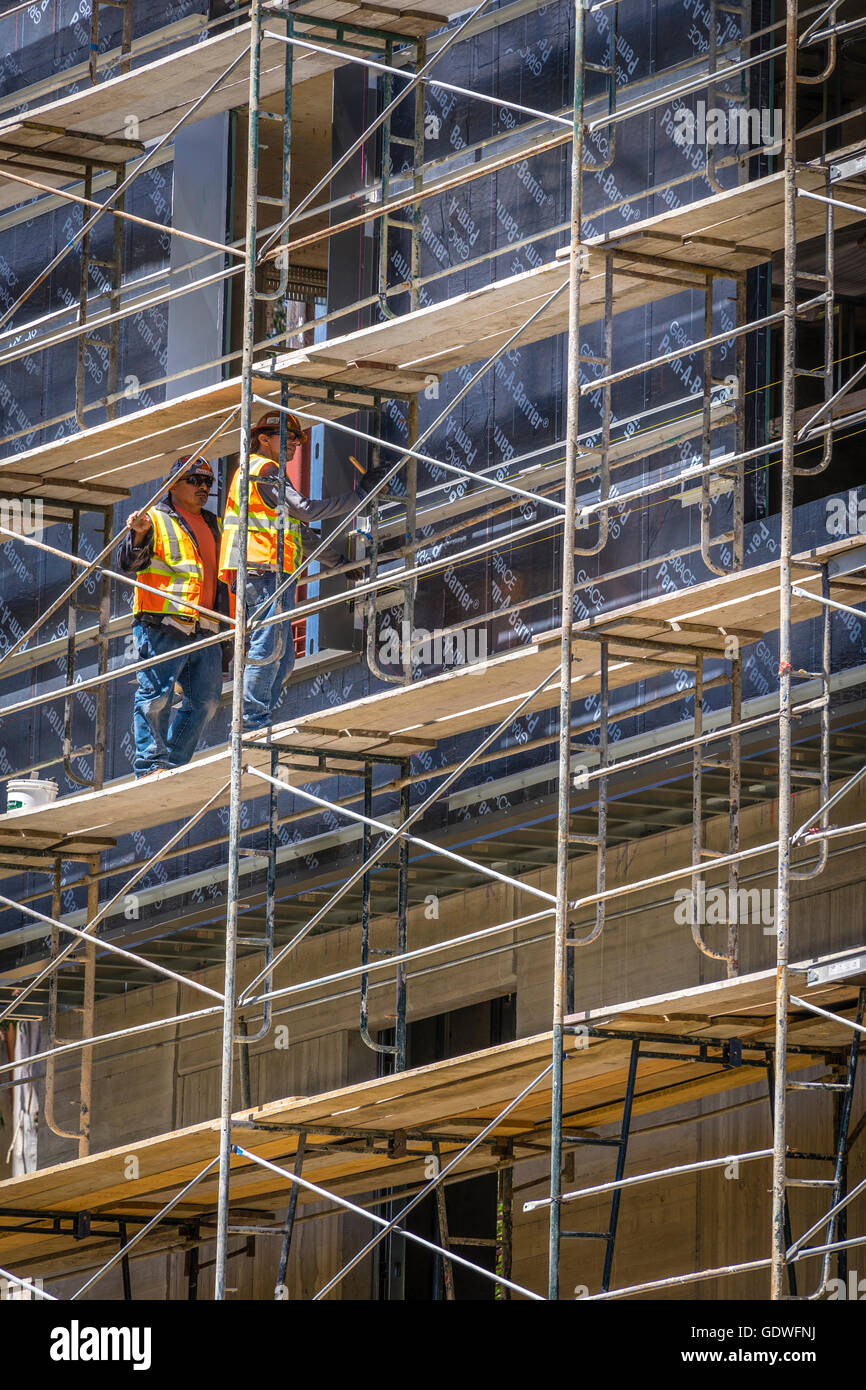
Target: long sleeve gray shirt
(307, 510)
(304, 509)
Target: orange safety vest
(262, 530)
(175, 569)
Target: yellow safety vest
(262, 530)
(175, 569)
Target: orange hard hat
(270, 424)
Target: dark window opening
(406, 1271)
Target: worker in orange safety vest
(271, 652)
(173, 548)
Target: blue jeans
(161, 740)
(271, 651)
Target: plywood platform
(103, 464)
(405, 720)
(448, 1102)
(731, 230)
(49, 142)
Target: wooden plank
(364, 1104)
(473, 325)
(729, 997)
(686, 1089)
(407, 349)
(160, 92)
(142, 446)
(461, 1093)
(452, 703)
(746, 222)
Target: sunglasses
(291, 437)
(205, 479)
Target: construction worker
(271, 652)
(173, 547)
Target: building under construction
(522, 957)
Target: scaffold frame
(623, 642)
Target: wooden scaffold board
(408, 719)
(49, 142)
(400, 356)
(445, 1101)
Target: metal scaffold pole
(234, 828)
(632, 656)
(563, 804)
(778, 1250)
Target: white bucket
(24, 794)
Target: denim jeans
(163, 740)
(271, 651)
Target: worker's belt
(187, 627)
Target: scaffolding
(226, 1166)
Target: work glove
(371, 479)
